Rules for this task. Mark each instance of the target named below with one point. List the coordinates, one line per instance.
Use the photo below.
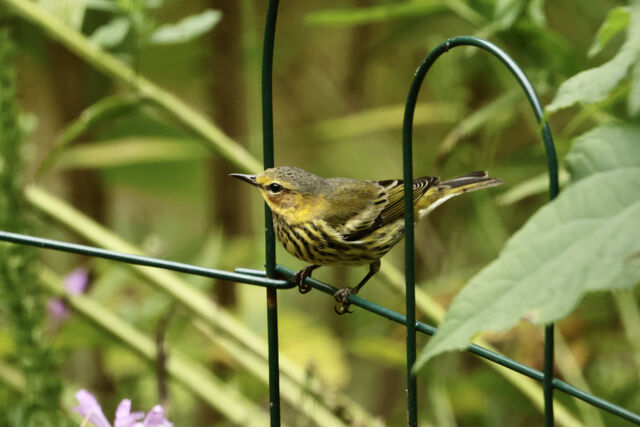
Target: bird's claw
(342, 297)
(299, 279)
(303, 288)
(342, 309)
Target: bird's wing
(352, 205)
(394, 208)
(386, 207)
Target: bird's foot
(342, 297)
(300, 277)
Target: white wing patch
(424, 212)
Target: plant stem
(112, 67)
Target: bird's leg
(300, 277)
(343, 294)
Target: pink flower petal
(76, 282)
(123, 410)
(124, 417)
(90, 409)
(155, 418)
(57, 310)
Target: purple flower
(76, 282)
(90, 409)
(57, 309)
(155, 418)
(124, 417)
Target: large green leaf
(605, 148)
(596, 84)
(587, 239)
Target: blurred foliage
(147, 167)
(22, 312)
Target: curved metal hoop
(407, 158)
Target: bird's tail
(443, 191)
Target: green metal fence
(277, 277)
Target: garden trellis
(277, 277)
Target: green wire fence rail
(279, 277)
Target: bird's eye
(275, 187)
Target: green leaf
(70, 12)
(186, 29)
(582, 241)
(617, 20)
(112, 33)
(605, 148)
(596, 84)
(536, 12)
(507, 12)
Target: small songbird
(344, 221)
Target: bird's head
(290, 192)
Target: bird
(345, 221)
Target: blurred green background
(341, 74)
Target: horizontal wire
(258, 277)
(143, 260)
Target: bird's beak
(251, 179)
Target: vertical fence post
(270, 249)
(407, 164)
(409, 253)
(409, 249)
(547, 382)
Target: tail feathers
(445, 190)
(469, 182)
